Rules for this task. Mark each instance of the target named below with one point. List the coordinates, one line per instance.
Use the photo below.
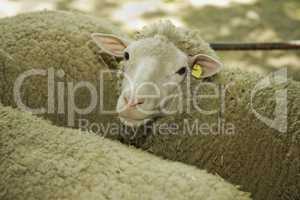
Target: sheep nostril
(134, 103)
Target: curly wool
(58, 40)
(234, 142)
(42, 161)
(189, 41)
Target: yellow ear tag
(197, 71)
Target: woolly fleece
(42, 161)
(61, 41)
(261, 159)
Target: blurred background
(217, 20)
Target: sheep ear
(110, 44)
(203, 66)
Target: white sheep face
(154, 69)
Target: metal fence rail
(268, 46)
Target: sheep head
(154, 70)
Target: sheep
(42, 161)
(58, 43)
(230, 131)
(155, 64)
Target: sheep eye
(126, 55)
(181, 71)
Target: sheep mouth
(137, 120)
(134, 122)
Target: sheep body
(41, 161)
(61, 41)
(263, 160)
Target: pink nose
(133, 102)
